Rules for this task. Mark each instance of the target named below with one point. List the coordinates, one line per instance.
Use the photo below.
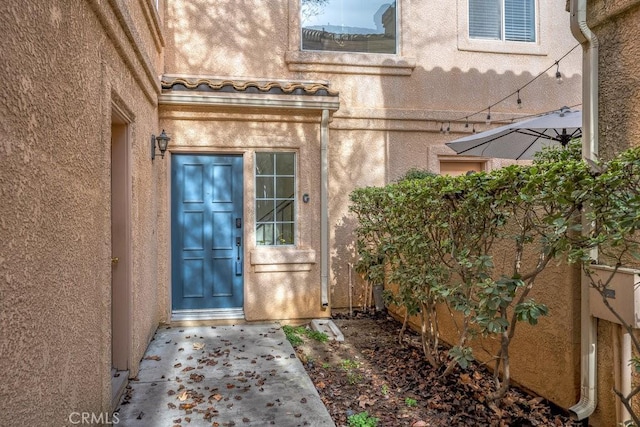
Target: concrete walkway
(242, 375)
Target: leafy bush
(433, 237)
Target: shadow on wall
(200, 37)
(381, 151)
(347, 286)
(386, 124)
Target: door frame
(121, 289)
(189, 315)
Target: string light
(519, 102)
(466, 123)
(448, 128)
(474, 128)
(558, 73)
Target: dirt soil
(370, 371)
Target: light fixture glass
(488, 120)
(558, 74)
(163, 143)
(519, 101)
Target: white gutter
(588, 337)
(324, 208)
(625, 373)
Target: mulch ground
(371, 372)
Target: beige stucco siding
(616, 27)
(615, 23)
(63, 68)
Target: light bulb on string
(448, 129)
(488, 121)
(442, 127)
(466, 123)
(519, 101)
(558, 73)
(474, 128)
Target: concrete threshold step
(328, 327)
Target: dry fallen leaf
(363, 401)
(152, 358)
(198, 345)
(535, 401)
(183, 396)
(196, 377)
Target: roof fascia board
(265, 101)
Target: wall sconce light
(163, 143)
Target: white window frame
(294, 199)
(466, 43)
(337, 41)
(401, 63)
(502, 20)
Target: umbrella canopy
(520, 140)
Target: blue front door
(206, 231)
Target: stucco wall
(615, 24)
(63, 67)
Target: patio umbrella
(520, 140)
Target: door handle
(238, 260)
(114, 260)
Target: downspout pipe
(626, 373)
(324, 208)
(588, 326)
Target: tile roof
(269, 87)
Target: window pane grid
(510, 20)
(275, 199)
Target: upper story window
(367, 26)
(275, 198)
(508, 20)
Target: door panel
(206, 201)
